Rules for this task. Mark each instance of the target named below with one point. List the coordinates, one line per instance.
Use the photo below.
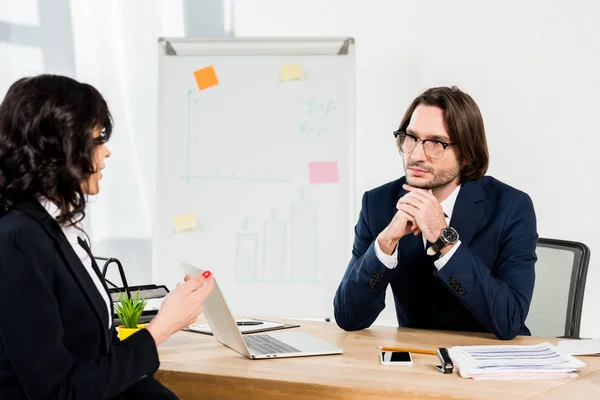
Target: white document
(151, 304)
(262, 325)
(541, 361)
(154, 304)
(580, 347)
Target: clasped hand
(422, 213)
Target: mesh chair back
(560, 274)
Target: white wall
(533, 67)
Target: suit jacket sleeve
(31, 333)
(499, 298)
(360, 296)
(147, 388)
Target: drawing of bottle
(245, 257)
(274, 249)
(304, 241)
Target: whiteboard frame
(314, 46)
(256, 46)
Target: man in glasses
(457, 247)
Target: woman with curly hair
(57, 340)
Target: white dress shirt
(72, 233)
(391, 261)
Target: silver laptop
(255, 346)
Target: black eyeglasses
(102, 137)
(408, 142)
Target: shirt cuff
(390, 262)
(440, 262)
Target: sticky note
(323, 172)
(290, 72)
(185, 222)
(206, 78)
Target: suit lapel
(468, 210)
(96, 269)
(87, 249)
(83, 279)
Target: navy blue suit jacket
(487, 284)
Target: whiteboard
(264, 166)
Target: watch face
(450, 235)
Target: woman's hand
(181, 307)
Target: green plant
(129, 309)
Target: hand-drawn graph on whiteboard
(264, 165)
(273, 236)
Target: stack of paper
(539, 361)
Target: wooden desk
(196, 366)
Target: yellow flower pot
(124, 333)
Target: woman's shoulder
(17, 224)
(25, 245)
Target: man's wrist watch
(448, 236)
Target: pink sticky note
(323, 172)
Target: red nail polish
(206, 274)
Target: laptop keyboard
(265, 344)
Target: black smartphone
(395, 358)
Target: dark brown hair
(47, 144)
(464, 125)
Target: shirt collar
(71, 231)
(448, 203)
(50, 207)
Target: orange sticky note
(323, 172)
(206, 78)
(185, 222)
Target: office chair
(560, 274)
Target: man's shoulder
(496, 188)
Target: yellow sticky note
(185, 222)
(290, 72)
(206, 77)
